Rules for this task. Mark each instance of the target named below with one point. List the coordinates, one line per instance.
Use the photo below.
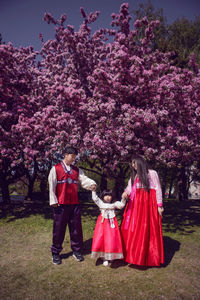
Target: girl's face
(134, 165)
(107, 198)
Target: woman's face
(134, 165)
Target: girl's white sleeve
(52, 179)
(120, 204)
(85, 181)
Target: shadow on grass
(171, 246)
(178, 216)
(181, 216)
(87, 245)
(18, 210)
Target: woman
(141, 227)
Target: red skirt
(143, 240)
(107, 240)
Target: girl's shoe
(105, 263)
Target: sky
(21, 21)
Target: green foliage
(182, 37)
(160, 33)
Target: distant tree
(161, 31)
(184, 39)
(181, 38)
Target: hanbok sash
(112, 224)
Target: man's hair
(70, 150)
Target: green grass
(26, 270)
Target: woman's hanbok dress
(141, 228)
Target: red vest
(67, 184)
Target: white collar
(68, 167)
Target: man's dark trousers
(63, 215)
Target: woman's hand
(160, 210)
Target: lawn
(28, 273)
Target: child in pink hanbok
(107, 242)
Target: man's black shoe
(56, 259)
(78, 256)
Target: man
(63, 195)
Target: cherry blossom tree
(144, 104)
(16, 81)
(109, 94)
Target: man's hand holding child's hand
(93, 187)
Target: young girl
(107, 239)
(141, 227)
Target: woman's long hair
(142, 172)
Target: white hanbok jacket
(108, 209)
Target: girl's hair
(142, 172)
(107, 193)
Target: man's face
(69, 158)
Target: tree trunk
(164, 182)
(43, 188)
(4, 188)
(104, 182)
(119, 187)
(30, 188)
(182, 185)
(31, 179)
(170, 187)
